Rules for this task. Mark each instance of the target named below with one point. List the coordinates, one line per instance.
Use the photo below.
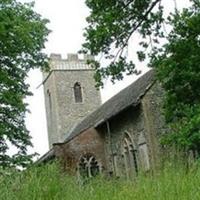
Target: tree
(178, 69)
(174, 54)
(22, 36)
(111, 25)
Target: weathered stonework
(120, 138)
(129, 122)
(155, 126)
(142, 123)
(62, 112)
(89, 142)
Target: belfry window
(78, 93)
(88, 166)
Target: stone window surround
(129, 155)
(88, 163)
(78, 92)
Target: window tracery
(88, 166)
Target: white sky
(67, 21)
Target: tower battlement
(73, 62)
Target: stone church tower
(70, 95)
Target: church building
(118, 138)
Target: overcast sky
(67, 21)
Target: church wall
(143, 124)
(51, 106)
(90, 142)
(129, 123)
(70, 112)
(125, 145)
(154, 121)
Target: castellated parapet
(70, 94)
(71, 63)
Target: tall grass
(48, 183)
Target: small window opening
(78, 93)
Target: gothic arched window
(129, 155)
(78, 93)
(88, 166)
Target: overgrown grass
(48, 183)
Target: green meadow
(49, 183)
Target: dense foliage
(22, 36)
(111, 25)
(178, 68)
(171, 44)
